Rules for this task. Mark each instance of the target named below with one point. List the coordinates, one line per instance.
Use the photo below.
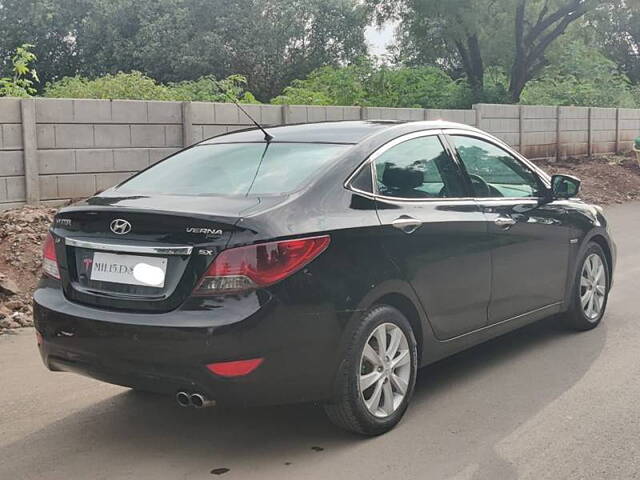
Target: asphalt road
(541, 403)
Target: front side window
(493, 171)
(236, 169)
(418, 168)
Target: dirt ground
(605, 180)
(22, 233)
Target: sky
(379, 38)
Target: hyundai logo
(120, 226)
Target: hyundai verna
(327, 264)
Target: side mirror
(564, 186)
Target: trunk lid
(144, 253)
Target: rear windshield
(236, 169)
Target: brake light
(255, 266)
(235, 369)
(49, 259)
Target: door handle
(407, 224)
(504, 222)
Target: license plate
(129, 269)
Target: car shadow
(462, 407)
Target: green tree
(363, 84)
(329, 86)
(270, 42)
(20, 83)
(616, 28)
(418, 87)
(580, 75)
(511, 34)
(48, 25)
(137, 86)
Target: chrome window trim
(112, 247)
(437, 201)
(471, 132)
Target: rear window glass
(236, 169)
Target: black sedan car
(322, 262)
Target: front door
(529, 238)
(434, 232)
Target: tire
(349, 409)
(580, 317)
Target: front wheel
(378, 376)
(591, 290)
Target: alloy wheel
(593, 287)
(385, 370)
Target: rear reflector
(49, 259)
(38, 338)
(256, 266)
(235, 369)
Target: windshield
(236, 169)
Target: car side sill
(434, 349)
(502, 322)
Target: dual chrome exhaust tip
(196, 400)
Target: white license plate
(129, 269)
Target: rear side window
(236, 169)
(418, 168)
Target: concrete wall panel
(11, 164)
(85, 144)
(91, 160)
(113, 136)
(130, 159)
(57, 161)
(10, 110)
(11, 136)
(128, 111)
(74, 136)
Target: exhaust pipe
(183, 399)
(200, 401)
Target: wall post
(558, 145)
(478, 108)
(590, 133)
(285, 114)
(30, 151)
(617, 130)
(187, 124)
(520, 129)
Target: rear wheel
(591, 290)
(379, 374)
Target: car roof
(347, 132)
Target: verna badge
(120, 226)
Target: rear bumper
(298, 347)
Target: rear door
(433, 233)
(529, 239)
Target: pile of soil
(605, 180)
(22, 233)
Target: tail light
(255, 266)
(238, 368)
(49, 259)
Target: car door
(433, 231)
(529, 237)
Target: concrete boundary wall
(53, 150)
